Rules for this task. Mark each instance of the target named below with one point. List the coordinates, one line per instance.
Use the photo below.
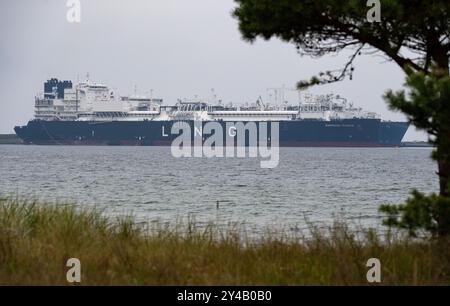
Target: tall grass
(36, 240)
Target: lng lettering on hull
(92, 114)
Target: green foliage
(426, 104)
(312, 22)
(421, 215)
(319, 27)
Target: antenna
(76, 99)
(280, 93)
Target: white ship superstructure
(90, 101)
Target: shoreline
(6, 139)
(13, 139)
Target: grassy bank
(36, 241)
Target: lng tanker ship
(90, 113)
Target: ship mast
(76, 99)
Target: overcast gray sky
(178, 48)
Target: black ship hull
(293, 133)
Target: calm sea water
(317, 184)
